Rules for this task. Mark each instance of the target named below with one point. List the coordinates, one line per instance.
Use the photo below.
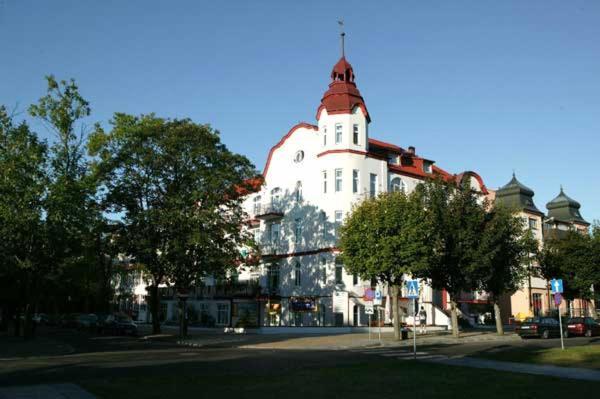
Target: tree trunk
(498, 316)
(454, 317)
(154, 308)
(396, 313)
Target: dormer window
(427, 166)
(393, 159)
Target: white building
(312, 178)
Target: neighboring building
(535, 297)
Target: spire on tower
(342, 35)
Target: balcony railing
(268, 211)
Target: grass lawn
(382, 378)
(576, 356)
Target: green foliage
(177, 187)
(574, 258)
(457, 219)
(386, 237)
(504, 249)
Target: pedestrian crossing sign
(412, 289)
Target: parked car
(87, 321)
(119, 324)
(583, 326)
(544, 327)
(40, 318)
(69, 320)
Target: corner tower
(342, 116)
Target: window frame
(339, 133)
(338, 176)
(355, 134)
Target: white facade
(312, 179)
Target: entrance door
(356, 315)
(537, 304)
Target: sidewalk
(527, 368)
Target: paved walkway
(527, 368)
(53, 391)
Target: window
(338, 133)
(324, 182)
(299, 156)
(372, 185)
(297, 274)
(256, 235)
(298, 191)
(339, 271)
(393, 159)
(298, 229)
(273, 277)
(275, 230)
(338, 217)
(355, 181)
(256, 205)
(324, 270)
(222, 314)
(396, 185)
(355, 134)
(355, 279)
(427, 166)
(338, 180)
(275, 196)
(324, 135)
(532, 224)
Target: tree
(457, 218)
(503, 247)
(22, 191)
(72, 213)
(178, 188)
(573, 258)
(385, 238)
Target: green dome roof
(565, 208)
(517, 195)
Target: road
(105, 357)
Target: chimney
(411, 150)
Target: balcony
(268, 211)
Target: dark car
(544, 327)
(118, 324)
(583, 326)
(87, 322)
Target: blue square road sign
(557, 286)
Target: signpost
(369, 310)
(412, 292)
(557, 290)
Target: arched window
(397, 185)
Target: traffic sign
(377, 300)
(557, 298)
(412, 289)
(369, 309)
(557, 286)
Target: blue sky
(489, 86)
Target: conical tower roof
(517, 195)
